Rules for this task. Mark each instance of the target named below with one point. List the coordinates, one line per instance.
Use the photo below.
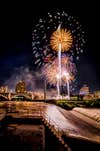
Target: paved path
(93, 113)
(71, 123)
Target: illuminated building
(84, 90)
(88, 97)
(97, 94)
(20, 87)
(4, 89)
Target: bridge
(11, 96)
(65, 125)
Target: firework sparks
(51, 71)
(63, 37)
(61, 40)
(42, 32)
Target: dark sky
(16, 36)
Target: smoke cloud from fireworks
(31, 79)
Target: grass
(85, 103)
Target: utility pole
(44, 90)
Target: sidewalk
(92, 113)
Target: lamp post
(45, 87)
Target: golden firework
(64, 60)
(63, 37)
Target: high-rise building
(20, 87)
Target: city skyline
(49, 76)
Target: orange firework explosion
(63, 37)
(65, 60)
(67, 77)
(51, 73)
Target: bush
(92, 103)
(65, 105)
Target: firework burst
(43, 29)
(63, 37)
(50, 71)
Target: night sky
(16, 37)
